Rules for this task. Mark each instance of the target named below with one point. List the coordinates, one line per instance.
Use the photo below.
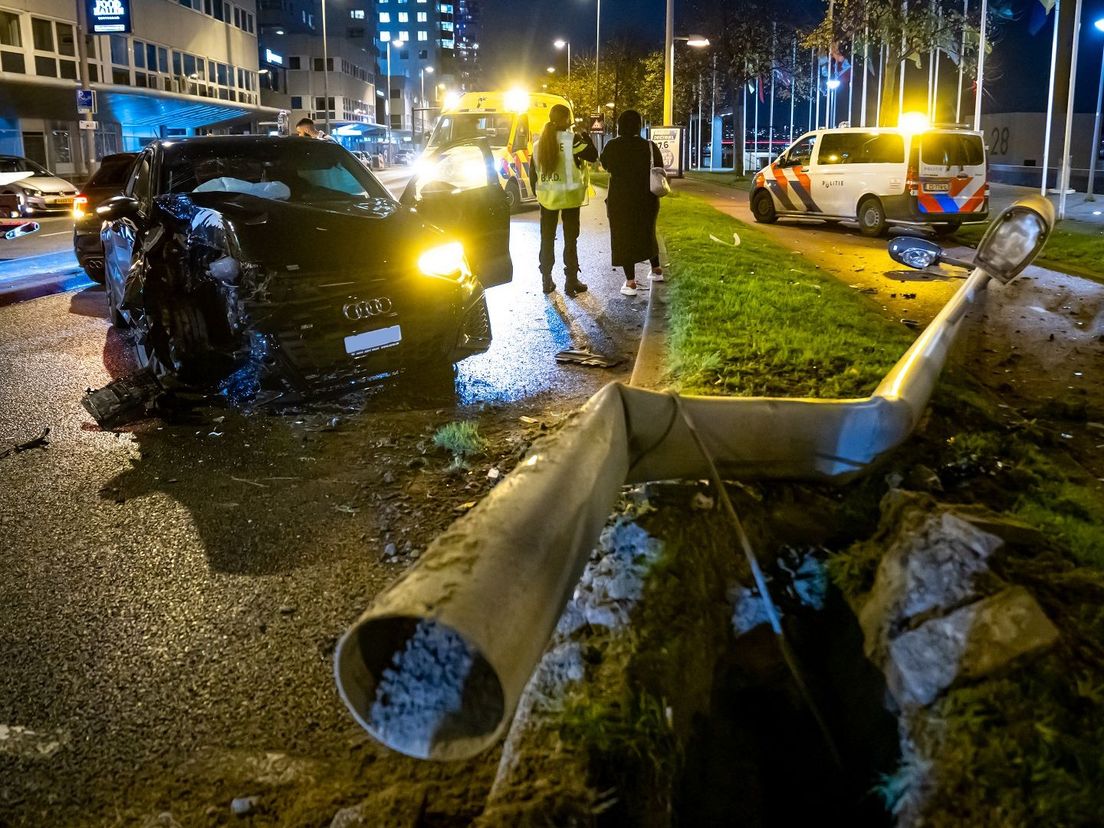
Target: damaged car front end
(269, 268)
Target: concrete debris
(493, 474)
(971, 642)
(588, 359)
(243, 805)
(390, 550)
(936, 613)
(24, 743)
(930, 567)
(701, 502)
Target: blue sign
(86, 100)
(108, 16)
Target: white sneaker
(628, 290)
(657, 275)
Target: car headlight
(445, 260)
(29, 190)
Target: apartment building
(186, 67)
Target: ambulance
(510, 120)
(921, 176)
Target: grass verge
(1019, 748)
(725, 179)
(1074, 247)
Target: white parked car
(39, 192)
(934, 177)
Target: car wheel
(872, 219)
(762, 208)
(513, 196)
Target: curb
(651, 355)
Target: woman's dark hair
(548, 147)
(629, 122)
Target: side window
(887, 148)
(140, 184)
(459, 168)
(521, 133)
(801, 152)
(839, 148)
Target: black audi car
(244, 263)
(108, 180)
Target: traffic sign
(597, 123)
(88, 124)
(86, 101)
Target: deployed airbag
(276, 190)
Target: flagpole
(981, 63)
(770, 127)
(901, 97)
(961, 61)
(881, 71)
(866, 66)
(714, 149)
(931, 68)
(935, 83)
(815, 120)
(793, 75)
(1064, 178)
(755, 129)
(850, 82)
(1050, 99)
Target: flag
(1039, 13)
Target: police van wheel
(762, 208)
(872, 220)
(513, 196)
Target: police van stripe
(780, 193)
(803, 193)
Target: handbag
(658, 182)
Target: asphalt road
(172, 593)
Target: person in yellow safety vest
(560, 177)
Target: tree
(909, 29)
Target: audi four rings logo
(363, 308)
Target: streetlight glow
(551, 70)
(697, 41)
(1100, 24)
(559, 44)
(833, 83)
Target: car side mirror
(118, 207)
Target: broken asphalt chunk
(123, 400)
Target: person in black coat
(630, 205)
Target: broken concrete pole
(969, 643)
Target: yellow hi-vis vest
(566, 186)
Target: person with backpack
(631, 206)
(559, 176)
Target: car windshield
(113, 170)
(494, 127)
(11, 165)
(298, 170)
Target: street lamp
(694, 41)
(1099, 24)
(422, 73)
(560, 44)
(551, 70)
(387, 99)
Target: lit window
(385, 36)
(423, 35)
(356, 14)
(385, 17)
(404, 36)
(404, 17)
(422, 17)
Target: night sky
(516, 43)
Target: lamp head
(1015, 238)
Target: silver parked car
(39, 192)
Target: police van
(932, 177)
(510, 120)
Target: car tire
(871, 216)
(513, 196)
(762, 208)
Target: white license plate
(935, 187)
(364, 343)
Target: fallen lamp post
(435, 667)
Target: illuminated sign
(108, 16)
(272, 57)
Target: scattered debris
(735, 240)
(40, 441)
(587, 359)
(345, 508)
(250, 482)
(243, 805)
(701, 502)
(493, 474)
(24, 743)
(463, 507)
(125, 399)
(390, 550)
(910, 323)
